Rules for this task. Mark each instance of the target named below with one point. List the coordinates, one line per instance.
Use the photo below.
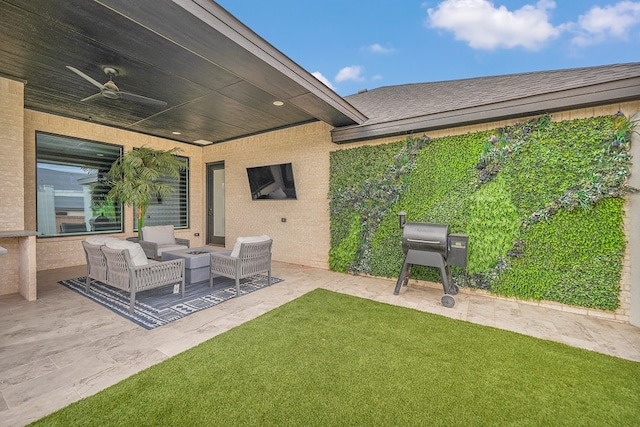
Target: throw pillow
(160, 234)
(251, 239)
(98, 240)
(136, 253)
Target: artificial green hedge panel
(438, 191)
(524, 194)
(351, 166)
(341, 256)
(493, 226)
(348, 168)
(573, 258)
(370, 199)
(564, 155)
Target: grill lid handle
(428, 242)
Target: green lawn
(328, 359)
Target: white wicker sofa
(124, 265)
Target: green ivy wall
(541, 201)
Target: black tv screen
(272, 182)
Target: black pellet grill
(431, 245)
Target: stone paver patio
(62, 347)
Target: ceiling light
(176, 133)
(278, 103)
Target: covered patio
(235, 101)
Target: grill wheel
(448, 301)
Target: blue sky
(355, 44)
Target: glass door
(215, 204)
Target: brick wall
(56, 252)
(12, 177)
(304, 237)
(11, 155)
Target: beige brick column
(17, 266)
(12, 154)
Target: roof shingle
(398, 108)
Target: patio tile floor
(62, 347)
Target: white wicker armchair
(123, 274)
(160, 238)
(252, 255)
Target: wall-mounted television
(272, 182)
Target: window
(171, 209)
(71, 186)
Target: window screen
(174, 208)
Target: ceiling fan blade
(141, 99)
(92, 97)
(87, 78)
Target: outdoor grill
(431, 245)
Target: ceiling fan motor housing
(110, 90)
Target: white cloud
(602, 23)
(318, 75)
(485, 26)
(353, 73)
(378, 48)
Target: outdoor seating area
(125, 265)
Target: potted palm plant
(134, 178)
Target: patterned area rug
(157, 307)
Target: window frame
(63, 156)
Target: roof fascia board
(601, 94)
(225, 23)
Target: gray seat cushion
(164, 248)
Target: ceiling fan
(110, 90)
